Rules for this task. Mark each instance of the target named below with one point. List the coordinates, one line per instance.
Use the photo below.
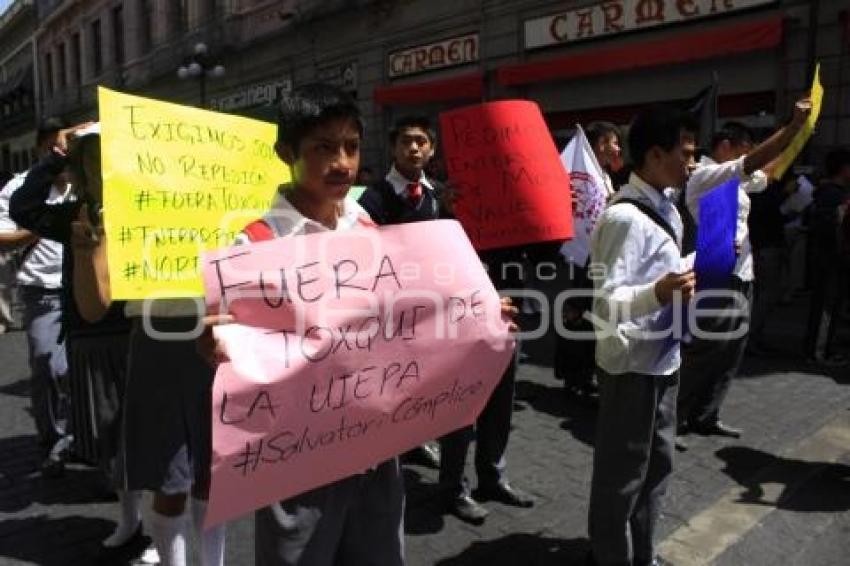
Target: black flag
(703, 107)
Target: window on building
(97, 48)
(63, 67)
(146, 27)
(48, 74)
(76, 59)
(118, 33)
(182, 8)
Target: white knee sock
(212, 540)
(169, 536)
(131, 516)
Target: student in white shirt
(638, 279)
(39, 280)
(708, 366)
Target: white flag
(587, 180)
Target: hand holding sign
(806, 112)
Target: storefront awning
(720, 41)
(469, 86)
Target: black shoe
(467, 509)
(717, 428)
(680, 444)
(503, 492)
(52, 468)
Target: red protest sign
(512, 188)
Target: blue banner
(715, 247)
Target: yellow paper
(177, 181)
(793, 150)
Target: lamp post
(199, 66)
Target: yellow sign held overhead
(796, 146)
(178, 181)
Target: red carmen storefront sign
(618, 16)
(446, 53)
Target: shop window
(97, 48)
(76, 59)
(48, 74)
(63, 66)
(118, 33)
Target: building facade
(580, 60)
(17, 87)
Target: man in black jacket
(406, 194)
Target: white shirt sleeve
(6, 222)
(617, 249)
(707, 176)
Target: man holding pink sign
(338, 357)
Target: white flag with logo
(587, 180)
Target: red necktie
(414, 194)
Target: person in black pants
(491, 430)
(825, 259)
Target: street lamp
(199, 66)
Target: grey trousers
(48, 363)
(709, 364)
(491, 432)
(632, 462)
(356, 521)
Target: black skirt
(98, 369)
(168, 419)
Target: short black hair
(659, 126)
(596, 131)
(405, 122)
(735, 132)
(48, 127)
(836, 160)
(312, 105)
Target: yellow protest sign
(796, 146)
(177, 181)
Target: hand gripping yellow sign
(798, 143)
(178, 181)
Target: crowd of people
(110, 394)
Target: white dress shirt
(285, 220)
(629, 252)
(400, 182)
(708, 175)
(42, 266)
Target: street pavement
(779, 495)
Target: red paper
(512, 188)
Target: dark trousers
(632, 462)
(356, 521)
(710, 363)
(829, 290)
(48, 363)
(575, 358)
(491, 432)
(768, 288)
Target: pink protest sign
(511, 186)
(349, 348)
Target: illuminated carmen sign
(617, 16)
(448, 53)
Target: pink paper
(350, 348)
